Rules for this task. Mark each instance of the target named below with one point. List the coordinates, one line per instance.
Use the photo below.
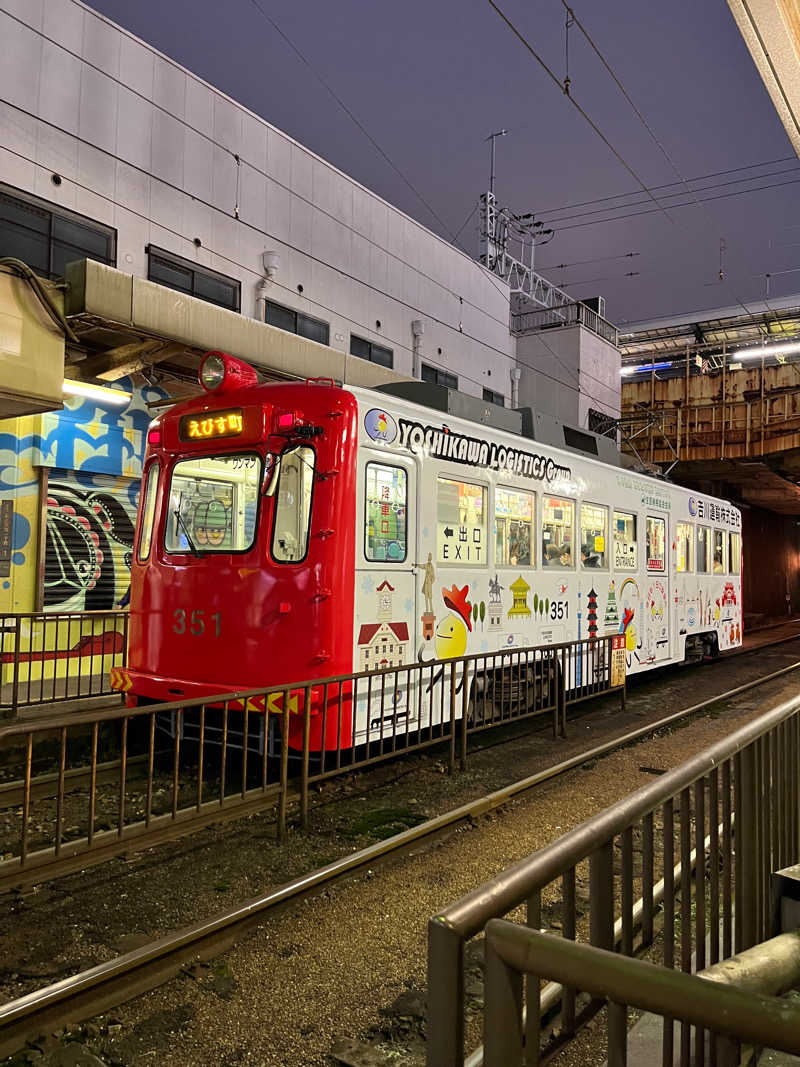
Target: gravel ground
(319, 973)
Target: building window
(735, 554)
(460, 522)
(292, 520)
(148, 512)
(296, 322)
(491, 397)
(703, 550)
(47, 238)
(720, 544)
(624, 541)
(439, 377)
(386, 507)
(513, 527)
(594, 532)
(684, 544)
(655, 539)
(187, 277)
(603, 424)
(368, 350)
(557, 527)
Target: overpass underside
(735, 432)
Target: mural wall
(94, 454)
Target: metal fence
(141, 775)
(732, 1015)
(671, 843)
(47, 657)
(565, 315)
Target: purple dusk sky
(430, 80)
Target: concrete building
(180, 221)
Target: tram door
(386, 606)
(657, 608)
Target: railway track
(13, 791)
(107, 985)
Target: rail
(49, 657)
(166, 782)
(729, 1014)
(580, 882)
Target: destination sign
(211, 425)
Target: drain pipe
(417, 329)
(271, 262)
(516, 374)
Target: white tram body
(471, 539)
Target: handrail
(512, 887)
(529, 653)
(513, 951)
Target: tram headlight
(212, 371)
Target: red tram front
(242, 571)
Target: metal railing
(730, 1014)
(708, 429)
(48, 657)
(565, 315)
(151, 773)
(596, 872)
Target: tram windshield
(213, 503)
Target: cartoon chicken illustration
(451, 633)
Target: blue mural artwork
(97, 449)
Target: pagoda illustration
(591, 614)
(611, 617)
(519, 590)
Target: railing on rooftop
(602, 884)
(564, 315)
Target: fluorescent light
(96, 392)
(625, 371)
(765, 351)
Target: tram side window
(513, 527)
(703, 550)
(655, 536)
(148, 513)
(594, 532)
(460, 522)
(558, 524)
(684, 542)
(293, 505)
(735, 557)
(624, 541)
(213, 504)
(719, 552)
(385, 537)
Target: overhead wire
(329, 88)
(669, 185)
(555, 220)
(567, 92)
(673, 207)
(649, 129)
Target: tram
(291, 532)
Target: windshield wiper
(179, 519)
